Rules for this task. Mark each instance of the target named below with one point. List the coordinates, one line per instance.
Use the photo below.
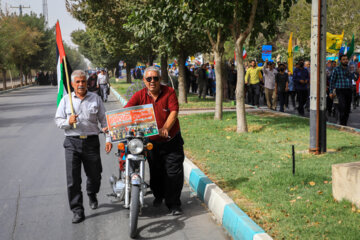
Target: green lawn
(122, 86)
(195, 102)
(255, 169)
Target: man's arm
(61, 118)
(102, 119)
(332, 83)
(170, 121)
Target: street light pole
(318, 78)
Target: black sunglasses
(148, 79)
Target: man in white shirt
(103, 83)
(269, 76)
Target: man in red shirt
(167, 157)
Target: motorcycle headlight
(136, 146)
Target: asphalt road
(33, 198)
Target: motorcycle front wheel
(134, 210)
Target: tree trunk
(128, 73)
(4, 79)
(240, 91)
(150, 60)
(164, 67)
(240, 87)
(182, 76)
(218, 53)
(26, 78)
(21, 75)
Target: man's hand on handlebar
(163, 132)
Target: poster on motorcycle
(135, 118)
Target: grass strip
(255, 169)
(195, 102)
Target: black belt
(83, 136)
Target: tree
(106, 19)
(212, 16)
(93, 49)
(169, 24)
(252, 19)
(341, 15)
(24, 45)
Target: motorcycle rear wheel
(134, 210)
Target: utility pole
(20, 7)
(45, 11)
(318, 78)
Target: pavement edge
(238, 224)
(16, 88)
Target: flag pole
(68, 89)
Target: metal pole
(318, 78)
(317, 150)
(293, 159)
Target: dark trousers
(282, 96)
(87, 152)
(302, 96)
(166, 170)
(344, 96)
(254, 94)
(290, 94)
(202, 88)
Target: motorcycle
(130, 185)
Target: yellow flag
(333, 42)
(290, 55)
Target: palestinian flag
(60, 66)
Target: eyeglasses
(148, 79)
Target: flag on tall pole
(290, 55)
(60, 52)
(334, 42)
(351, 48)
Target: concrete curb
(17, 88)
(232, 218)
(122, 100)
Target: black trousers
(86, 152)
(167, 171)
(302, 96)
(344, 96)
(254, 94)
(282, 96)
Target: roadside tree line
(26, 44)
(143, 29)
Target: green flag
(351, 48)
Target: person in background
(252, 78)
(281, 85)
(340, 80)
(301, 79)
(103, 84)
(202, 80)
(270, 89)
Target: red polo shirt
(164, 104)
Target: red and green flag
(60, 66)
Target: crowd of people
(278, 88)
